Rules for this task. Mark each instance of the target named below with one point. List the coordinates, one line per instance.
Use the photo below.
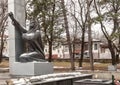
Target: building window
(95, 47)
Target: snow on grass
(45, 78)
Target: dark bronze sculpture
(32, 37)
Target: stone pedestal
(16, 45)
(31, 68)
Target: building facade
(62, 51)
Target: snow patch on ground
(45, 78)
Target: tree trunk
(68, 35)
(2, 45)
(50, 52)
(112, 51)
(89, 37)
(82, 47)
(73, 46)
(90, 48)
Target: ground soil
(65, 66)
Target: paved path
(4, 75)
(3, 78)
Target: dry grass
(98, 66)
(4, 64)
(86, 66)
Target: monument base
(31, 68)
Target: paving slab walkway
(4, 75)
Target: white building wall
(59, 51)
(63, 52)
(96, 50)
(105, 55)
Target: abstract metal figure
(35, 50)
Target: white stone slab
(31, 68)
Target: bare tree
(67, 34)
(83, 20)
(89, 2)
(3, 18)
(76, 31)
(111, 15)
